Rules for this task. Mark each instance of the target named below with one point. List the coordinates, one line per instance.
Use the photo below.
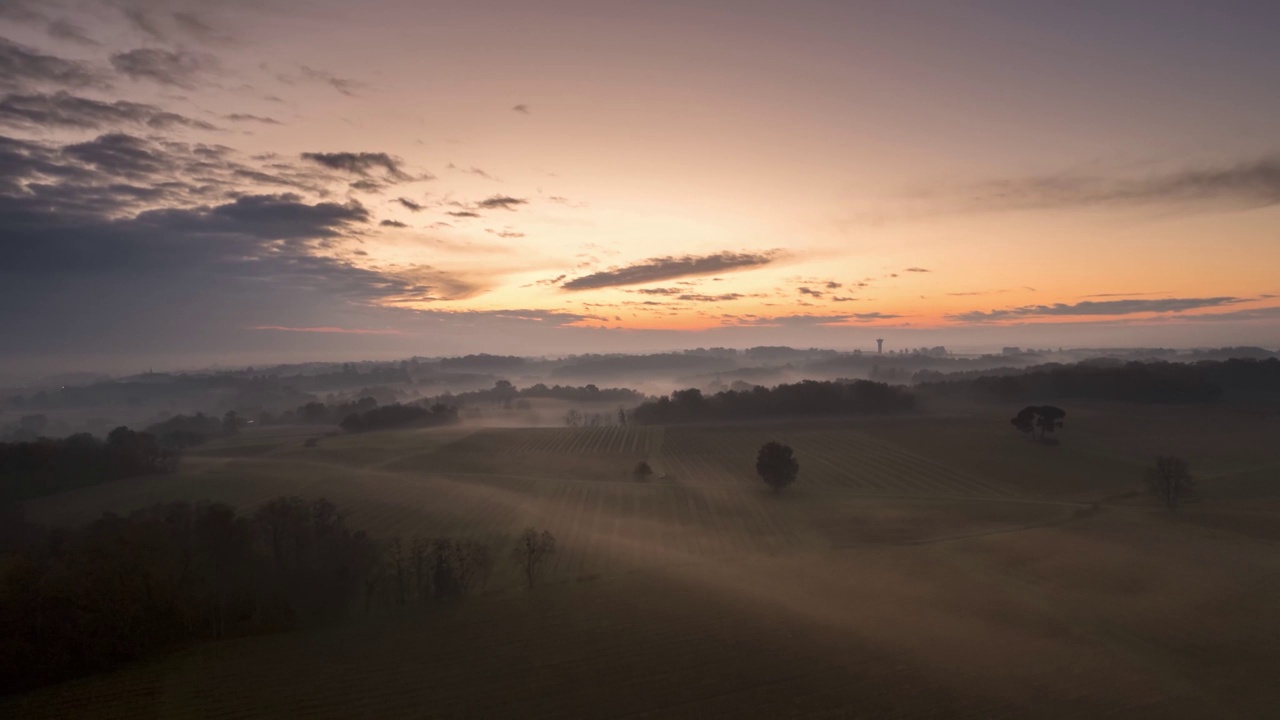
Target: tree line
(1247, 380)
(85, 600)
(183, 431)
(504, 392)
(46, 466)
(808, 397)
(398, 416)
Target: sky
(186, 183)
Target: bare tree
(531, 552)
(1170, 480)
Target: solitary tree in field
(642, 471)
(1049, 418)
(1025, 420)
(777, 465)
(1042, 418)
(1170, 479)
(531, 552)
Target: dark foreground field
(928, 567)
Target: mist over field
(762, 532)
(596, 359)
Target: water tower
(880, 345)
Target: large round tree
(777, 465)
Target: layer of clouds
(23, 67)
(360, 163)
(177, 68)
(1099, 308)
(249, 117)
(99, 254)
(504, 202)
(668, 268)
(64, 110)
(1250, 184)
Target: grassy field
(923, 567)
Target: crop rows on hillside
(616, 439)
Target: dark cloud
(178, 68)
(246, 117)
(833, 285)
(82, 260)
(116, 172)
(916, 270)
(464, 214)
(368, 185)
(1250, 314)
(1094, 307)
(667, 268)
(410, 204)
(393, 223)
(658, 291)
(505, 233)
(521, 108)
(62, 109)
(809, 291)
(359, 163)
(119, 154)
(64, 29)
(1248, 184)
(21, 66)
(501, 201)
(263, 217)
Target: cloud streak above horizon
(1098, 308)
(669, 268)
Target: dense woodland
(46, 466)
(809, 397)
(74, 602)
